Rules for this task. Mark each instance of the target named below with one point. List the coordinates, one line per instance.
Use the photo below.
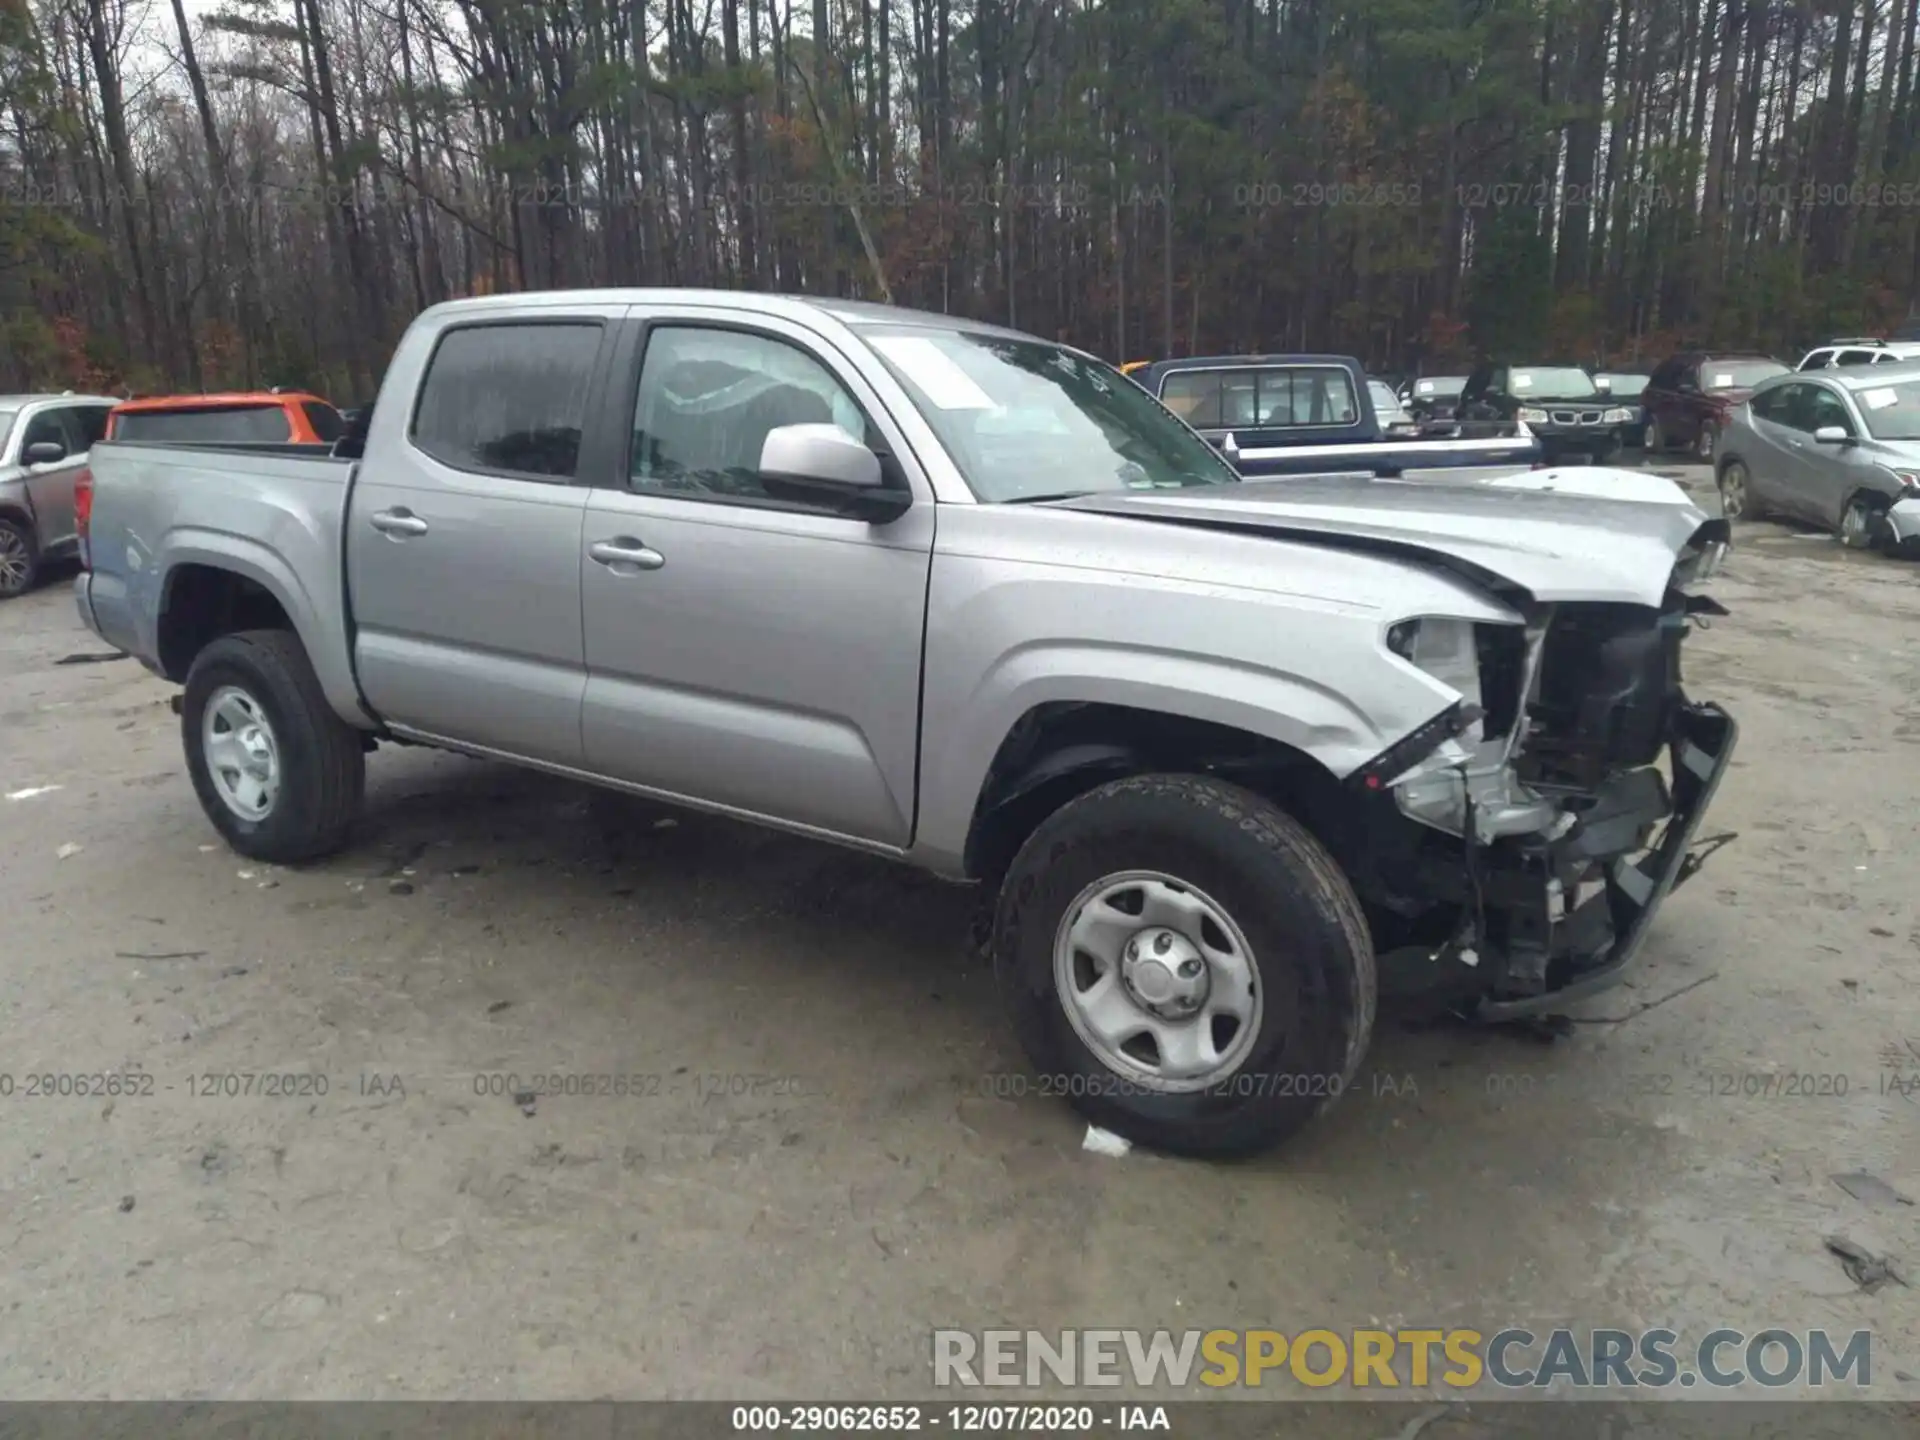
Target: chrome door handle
(397, 521)
(625, 550)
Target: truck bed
(208, 502)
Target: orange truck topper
(264, 415)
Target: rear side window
(1273, 397)
(1859, 357)
(89, 422)
(325, 420)
(217, 423)
(508, 399)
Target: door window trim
(628, 366)
(593, 437)
(69, 436)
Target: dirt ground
(416, 1232)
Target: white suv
(1859, 352)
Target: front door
(463, 545)
(50, 484)
(743, 651)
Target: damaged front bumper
(1599, 941)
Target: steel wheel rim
(1123, 968)
(13, 562)
(242, 753)
(1733, 491)
(1650, 437)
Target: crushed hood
(1582, 533)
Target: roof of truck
(857, 313)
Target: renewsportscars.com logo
(1511, 1359)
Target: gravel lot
(862, 1174)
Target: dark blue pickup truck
(1315, 415)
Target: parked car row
(45, 441)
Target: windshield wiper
(1042, 499)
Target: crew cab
(1315, 414)
(1226, 759)
(267, 416)
(44, 443)
(1563, 407)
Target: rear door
(758, 654)
(463, 544)
(1770, 467)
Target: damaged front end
(1519, 844)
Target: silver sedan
(1835, 448)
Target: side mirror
(1832, 435)
(44, 452)
(823, 465)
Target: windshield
(1440, 385)
(1738, 374)
(1621, 384)
(1892, 412)
(1385, 402)
(1559, 383)
(6, 426)
(1026, 420)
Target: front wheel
(1860, 523)
(278, 773)
(19, 559)
(1185, 964)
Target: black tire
(19, 558)
(1734, 481)
(1867, 531)
(322, 759)
(1309, 942)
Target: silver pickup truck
(1228, 759)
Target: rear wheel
(1736, 492)
(1703, 444)
(1861, 522)
(1653, 440)
(1185, 964)
(19, 559)
(277, 772)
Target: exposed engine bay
(1517, 846)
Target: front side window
(709, 399)
(194, 424)
(1025, 420)
(1891, 412)
(46, 428)
(1827, 409)
(1818, 360)
(508, 399)
(7, 417)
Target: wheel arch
(1059, 750)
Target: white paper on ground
(945, 383)
(31, 791)
(1105, 1142)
